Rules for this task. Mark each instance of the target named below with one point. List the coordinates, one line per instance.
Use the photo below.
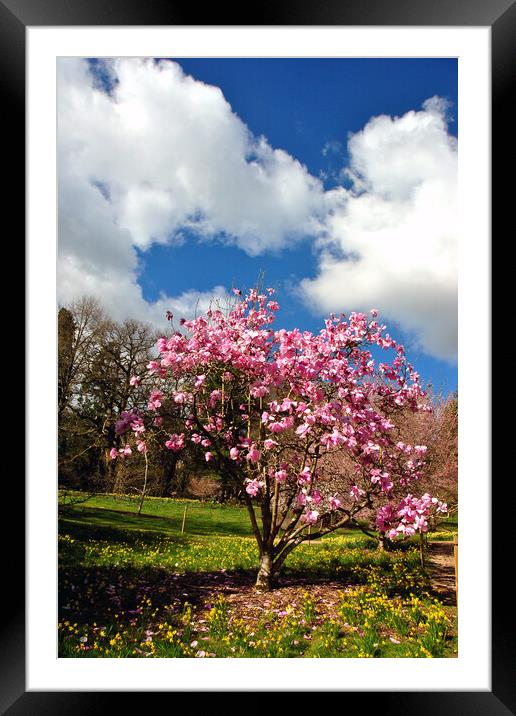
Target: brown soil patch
(249, 605)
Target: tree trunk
(110, 471)
(383, 542)
(264, 577)
(168, 476)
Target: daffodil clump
(194, 555)
(394, 626)
(367, 624)
(337, 556)
(125, 593)
(398, 574)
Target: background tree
(96, 358)
(79, 330)
(124, 350)
(435, 428)
(441, 469)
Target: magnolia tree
(267, 406)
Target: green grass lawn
(136, 585)
(202, 518)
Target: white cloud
(392, 243)
(172, 153)
(333, 146)
(121, 295)
(163, 152)
(160, 153)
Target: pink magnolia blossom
(276, 427)
(199, 380)
(176, 442)
(134, 381)
(375, 475)
(124, 422)
(386, 482)
(253, 487)
(303, 430)
(215, 397)
(316, 497)
(356, 492)
(410, 516)
(155, 399)
(254, 454)
(304, 477)
(281, 475)
(258, 391)
(335, 503)
(137, 426)
(310, 517)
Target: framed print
(265, 181)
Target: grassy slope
(165, 516)
(105, 546)
(106, 531)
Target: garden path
(441, 566)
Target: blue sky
(309, 108)
(302, 104)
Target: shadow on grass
(116, 527)
(198, 521)
(97, 594)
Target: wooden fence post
(456, 559)
(184, 519)
(422, 549)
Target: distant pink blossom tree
(266, 406)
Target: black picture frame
(500, 16)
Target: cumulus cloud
(158, 153)
(171, 153)
(392, 243)
(147, 153)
